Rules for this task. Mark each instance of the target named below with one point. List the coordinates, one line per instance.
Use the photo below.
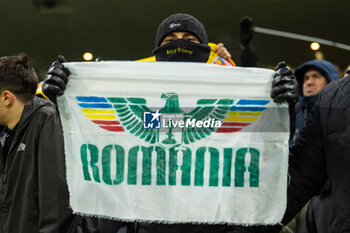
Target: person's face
(180, 35)
(313, 83)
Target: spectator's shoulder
(333, 102)
(45, 107)
(339, 87)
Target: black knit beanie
(181, 23)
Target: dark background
(125, 30)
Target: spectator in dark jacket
(312, 77)
(322, 152)
(33, 190)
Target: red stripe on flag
(231, 62)
(228, 130)
(101, 122)
(235, 124)
(113, 128)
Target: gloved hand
(56, 79)
(284, 85)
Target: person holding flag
(180, 37)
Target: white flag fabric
(174, 143)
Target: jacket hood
(326, 68)
(31, 108)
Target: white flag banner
(175, 143)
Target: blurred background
(125, 30)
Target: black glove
(56, 79)
(284, 85)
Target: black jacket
(322, 152)
(318, 216)
(33, 189)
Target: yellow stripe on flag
(245, 113)
(238, 118)
(89, 110)
(104, 117)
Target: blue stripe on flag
(90, 99)
(250, 109)
(253, 102)
(83, 105)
